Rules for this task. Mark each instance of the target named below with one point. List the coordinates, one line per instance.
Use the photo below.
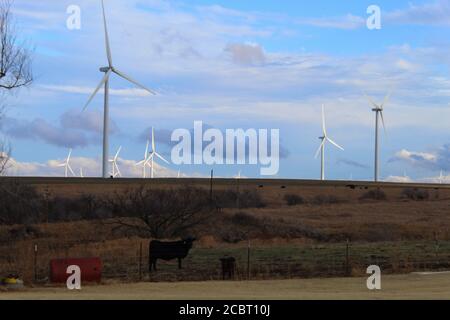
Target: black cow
(168, 251)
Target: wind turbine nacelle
(104, 69)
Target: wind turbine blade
(153, 139)
(371, 101)
(70, 169)
(121, 74)
(335, 144)
(68, 156)
(149, 159)
(117, 154)
(118, 171)
(382, 121)
(320, 148)
(141, 162)
(97, 89)
(324, 128)
(146, 150)
(108, 48)
(159, 156)
(386, 99)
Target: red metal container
(91, 269)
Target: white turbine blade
(320, 148)
(117, 154)
(61, 165)
(153, 139)
(141, 162)
(382, 121)
(149, 158)
(68, 156)
(335, 144)
(121, 74)
(97, 89)
(371, 101)
(118, 170)
(324, 128)
(70, 169)
(108, 48)
(146, 150)
(161, 157)
(386, 99)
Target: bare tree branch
(15, 55)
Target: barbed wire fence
(127, 260)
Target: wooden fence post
(35, 262)
(140, 261)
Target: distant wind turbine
(105, 82)
(378, 109)
(154, 154)
(66, 165)
(115, 167)
(144, 163)
(321, 149)
(81, 173)
(441, 177)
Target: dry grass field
(412, 286)
(335, 229)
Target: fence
(127, 259)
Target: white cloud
(91, 168)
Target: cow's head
(189, 241)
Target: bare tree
(161, 213)
(15, 56)
(15, 66)
(5, 151)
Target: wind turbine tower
(378, 109)
(324, 138)
(105, 82)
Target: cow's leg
(179, 263)
(154, 264)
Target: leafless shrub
(19, 204)
(162, 213)
(325, 199)
(244, 199)
(415, 194)
(375, 194)
(293, 199)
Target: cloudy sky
(239, 64)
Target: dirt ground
(434, 286)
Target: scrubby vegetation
(415, 194)
(293, 199)
(375, 194)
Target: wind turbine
(441, 177)
(378, 109)
(66, 165)
(115, 167)
(321, 149)
(154, 154)
(145, 162)
(105, 82)
(81, 173)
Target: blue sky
(232, 64)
